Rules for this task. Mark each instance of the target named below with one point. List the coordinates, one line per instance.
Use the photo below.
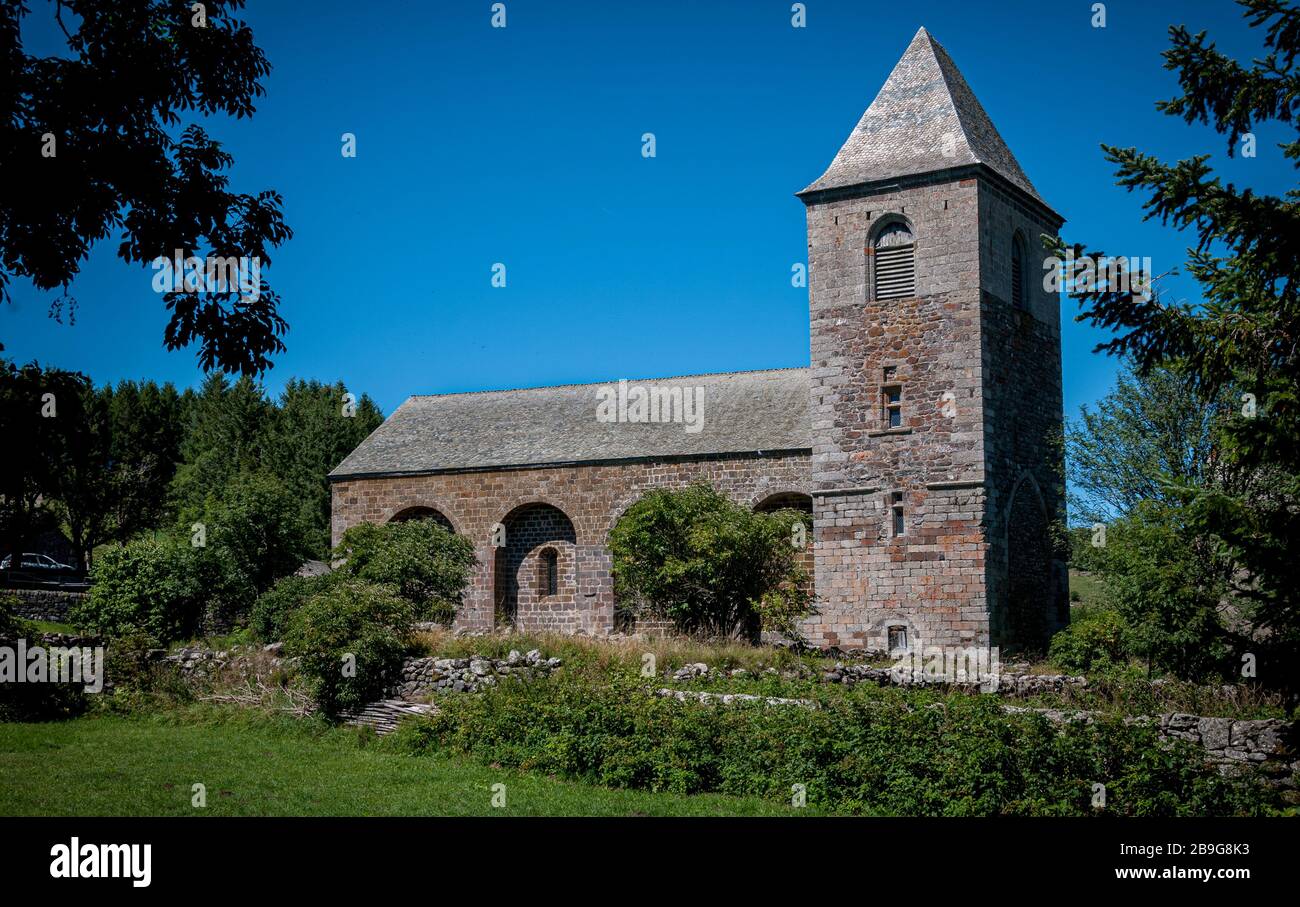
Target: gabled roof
(924, 119)
(744, 412)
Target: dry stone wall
(44, 604)
(423, 677)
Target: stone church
(920, 437)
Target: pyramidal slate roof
(742, 412)
(924, 119)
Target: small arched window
(1018, 288)
(548, 572)
(895, 267)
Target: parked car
(36, 569)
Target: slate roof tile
(924, 119)
(743, 412)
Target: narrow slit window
(1018, 298)
(548, 580)
(897, 514)
(895, 262)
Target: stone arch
(422, 512)
(888, 221)
(527, 499)
(519, 598)
(802, 501)
(1028, 543)
(783, 500)
(623, 619)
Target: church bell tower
(935, 378)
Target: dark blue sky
(523, 146)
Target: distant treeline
(107, 464)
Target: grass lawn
(1088, 586)
(45, 626)
(255, 766)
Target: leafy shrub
(1169, 591)
(271, 613)
(259, 522)
(41, 701)
(428, 565)
(151, 587)
(250, 534)
(713, 567)
(1084, 555)
(141, 682)
(350, 640)
(22, 701)
(255, 534)
(11, 625)
(870, 750)
(1096, 639)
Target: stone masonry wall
(1024, 470)
(592, 497)
(931, 579)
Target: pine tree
(311, 432)
(1244, 334)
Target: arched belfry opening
(893, 252)
(534, 575)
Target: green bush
(259, 522)
(253, 534)
(1170, 592)
(270, 615)
(711, 566)
(1095, 640)
(205, 577)
(151, 587)
(142, 682)
(11, 625)
(41, 701)
(350, 640)
(869, 750)
(22, 701)
(428, 565)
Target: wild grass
(253, 764)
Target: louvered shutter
(1017, 274)
(895, 272)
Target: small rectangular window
(897, 514)
(891, 396)
(897, 638)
